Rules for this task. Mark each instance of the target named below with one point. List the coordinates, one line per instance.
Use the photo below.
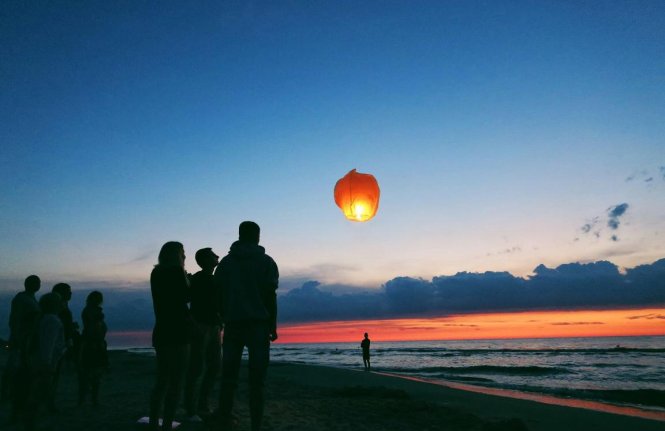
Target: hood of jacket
(246, 250)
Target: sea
(623, 370)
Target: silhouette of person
(44, 349)
(171, 336)
(247, 280)
(364, 344)
(23, 315)
(65, 315)
(64, 290)
(206, 347)
(93, 356)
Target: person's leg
(176, 370)
(36, 383)
(258, 347)
(95, 382)
(213, 357)
(232, 347)
(161, 384)
(84, 382)
(22, 388)
(194, 371)
(54, 386)
(39, 390)
(13, 374)
(9, 373)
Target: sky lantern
(357, 195)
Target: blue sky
(496, 130)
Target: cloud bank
(569, 286)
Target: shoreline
(498, 406)
(592, 399)
(599, 406)
(632, 410)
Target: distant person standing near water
(364, 344)
(172, 333)
(206, 346)
(247, 279)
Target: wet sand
(305, 397)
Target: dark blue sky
(497, 130)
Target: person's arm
(189, 278)
(219, 291)
(184, 309)
(272, 310)
(13, 323)
(271, 298)
(102, 325)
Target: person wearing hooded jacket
(247, 280)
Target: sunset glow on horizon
(528, 324)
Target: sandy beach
(304, 397)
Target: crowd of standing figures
(238, 293)
(235, 296)
(43, 338)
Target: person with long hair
(93, 356)
(171, 336)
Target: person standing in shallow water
(364, 344)
(206, 346)
(247, 279)
(93, 356)
(172, 333)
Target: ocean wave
(605, 365)
(486, 369)
(466, 352)
(639, 397)
(466, 379)
(143, 351)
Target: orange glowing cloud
(531, 324)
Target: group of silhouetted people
(43, 335)
(238, 293)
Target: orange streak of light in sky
(529, 324)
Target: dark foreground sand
(301, 397)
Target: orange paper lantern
(357, 195)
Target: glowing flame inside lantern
(357, 195)
(359, 211)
